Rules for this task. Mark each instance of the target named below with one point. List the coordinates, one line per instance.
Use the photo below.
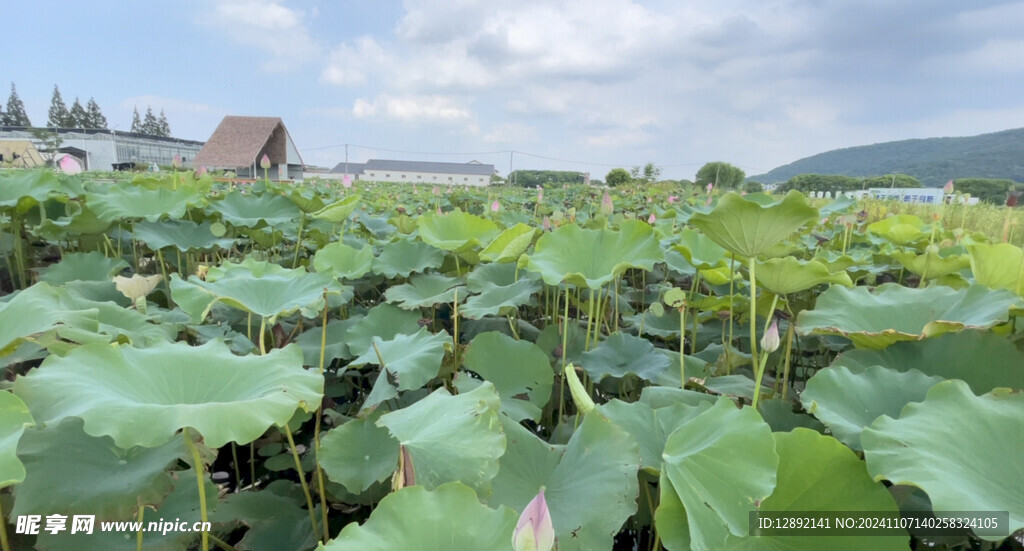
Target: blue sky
(569, 85)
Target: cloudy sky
(568, 85)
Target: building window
(387, 175)
(435, 177)
(465, 179)
(449, 178)
(419, 176)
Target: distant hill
(933, 161)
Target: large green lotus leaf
(817, 473)
(404, 257)
(999, 266)
(720, 463)
(336, 346)
(670, 517)
(788, 275)
(495, 300)
(456, 230)
(117, 202)
(981, 358)
(384, 321)
(144, 396)
(592, 258)
(496, 274)
(80, 220)
(92, 266)
(337, 211)
(448, 518)
(26, 188)
(249, 210)
(848, 400)
(699, 250)
(895, 313)
(901, 229)
(962, 449)
(934, 263)
(359, 453)
(509, 244)
(590, 483)
(343, 261)
(14, 419)
(413, 360)
(274, 521)
(425, 290)
(749, 229)
(622, 354)
(649, 426)
(181, 234)
(838, 262)
(70, 472)
(259, 287)
(519, 370)
(451, 438)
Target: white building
(419, 172)
(101, 149)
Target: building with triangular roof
(239, 144)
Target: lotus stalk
(200, 468)
(769, 344)
(534, 531)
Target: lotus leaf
(590, 483)
(93, 266)
(700, 250)
(338, 211)
(936, 445)
(143, 396)
(451, 438)
(26, 188)
(788, 275)
(495, 300)
(934, 263)
(425, 290)
(984, 360)
(383, 321)
(749, 229)
(651, 427)
(592, 258)
(116, 203)
(456, 231)
(495, 274)
(180, 234)
(519, 370)
(344, 261)
(404, 257)
(137, 286)
(621, 354)
(999, 266)
(817, 473)
(848, 400)
(901, 229)
(895, 313)
(265, 289)
(336, 346)
(275, 521)
(70, 472)
(359, 453)
(509, 244)
(450, 517)
(412, 359)
(249, 210)
(703, 459)
(14, 419)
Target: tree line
(89, 116)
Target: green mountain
(933, 161)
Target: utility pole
(509, 179)
(346, 158)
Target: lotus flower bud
(436, 190)
(495, 206)
(651, 218)
(770, 340)
(606, 205)
(584, 404)
(545, 223)
(948, 188)
(534, 531)
(265, 162)
(176, 161)
(540, 194)
(672, 199)
(710, 187)
(346, 181)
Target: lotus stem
(455, 324)
(732, 287)
(752, 263)
(263, 331)
(4, 544)
(590, 319)
(785, 371)
(682, 346)
(200, 468)
(302, 478)
(693, 290)
(316, 430)
(298, 244)
(565, 352)
(764, 356)
(138, 535)
(234, 461)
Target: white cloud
(512, 133)
(411, 109)
(270, 26)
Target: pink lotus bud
(265, 162)
(948, 188)
(540, 194)
(708, 202)
(710, 187)
(439, 211)
(651, 218)
(414, 190)
(69, 165)
(534, 531)
(672, 199)
(495, 207)
(545, 223)
(346, 181)
(743, 193)
(606, 205)
(770, 340)
(201, 171)
(176, 161)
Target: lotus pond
(390, 367)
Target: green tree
(78, 116)
(534, 178)
(646, 175)
(163, 128)
(721, 174)
(988, 190)
(149, 123)
(136, 121)
(58, 115)
(96, 118)
(617, 177)
(16, 115)
(893, 180)
(822, 182)
(753, 187)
